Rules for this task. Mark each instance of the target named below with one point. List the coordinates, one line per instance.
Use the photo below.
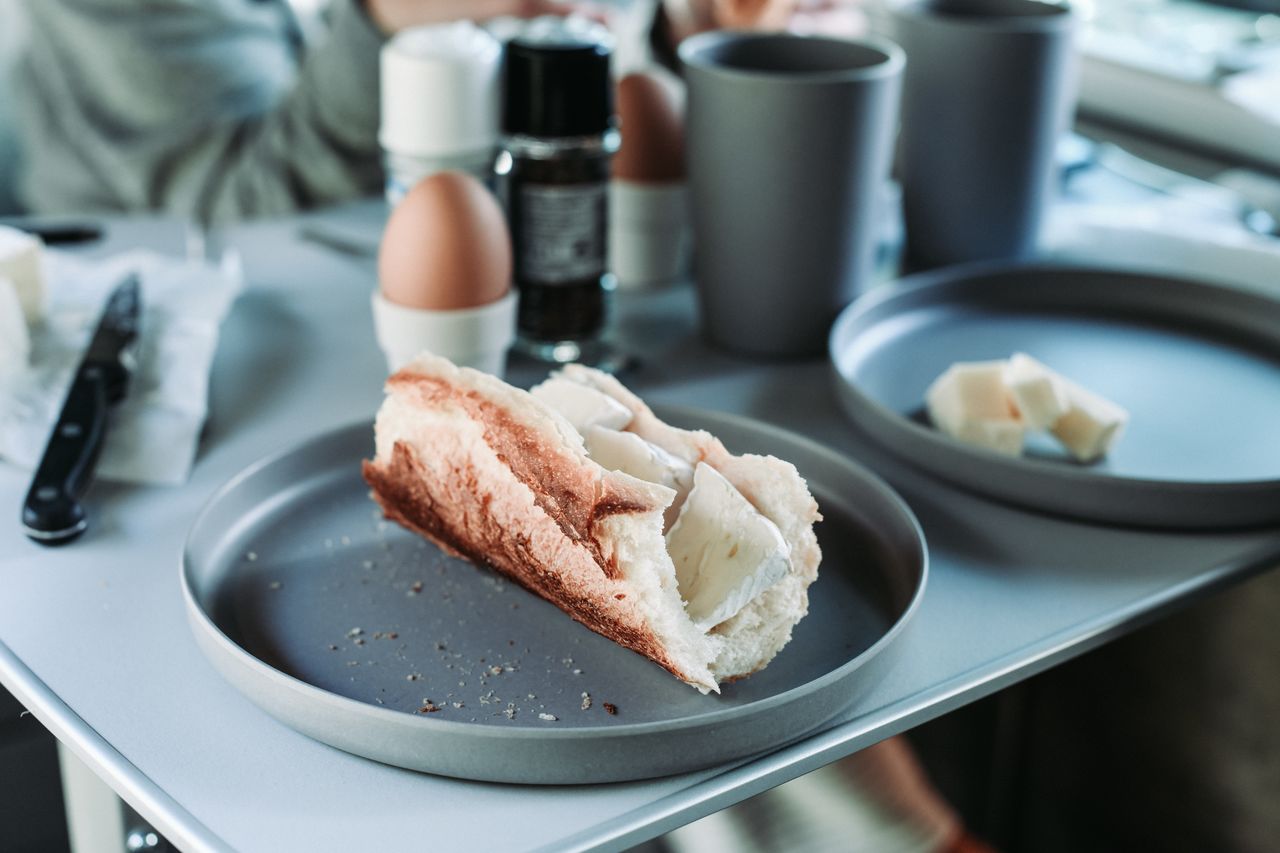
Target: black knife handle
(52, 514)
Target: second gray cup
(789, 147)
(989, 88)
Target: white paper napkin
(15, 341)
(155, 430)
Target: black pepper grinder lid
(556, 81)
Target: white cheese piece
(21, 262)
(15, 342)
(1091, 425)
(631, 454)
(582, 405)
(1038, 393)
(1002, 436)
(725, 552)
(970, 403)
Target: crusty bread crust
(469, 532)
(488, 473)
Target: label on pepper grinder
(562, 232)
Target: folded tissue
(155, 430)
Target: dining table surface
(94, 639)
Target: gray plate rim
(672, 414)
(957, 276)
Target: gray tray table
(94, 640)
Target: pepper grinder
(558, 137)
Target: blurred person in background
(879, 800)
(219, 110)
(209, 109)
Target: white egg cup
(649, 234)
(469, 337)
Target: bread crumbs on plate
(611, 709)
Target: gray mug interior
(1033, 14)
(789, 56)
(989, 10)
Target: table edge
(133, 786)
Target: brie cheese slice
(725, 552)
(582, 405)
(631, 454)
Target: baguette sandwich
(653, 536)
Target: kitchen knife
(52, 514)
(57, 232)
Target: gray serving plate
(344, 627)
(1197, 365)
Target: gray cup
(988, 90)
(789, 146)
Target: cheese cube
(15, 343)
(21, 262)
(1092, 424)
(1038, 393)
(1002, 436)
(970, 403)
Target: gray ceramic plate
(344, 627)
(1197, 366)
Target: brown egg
(651, 113)
(446, 246)
(752, 14)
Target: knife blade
(57, 232)
(52, 513)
